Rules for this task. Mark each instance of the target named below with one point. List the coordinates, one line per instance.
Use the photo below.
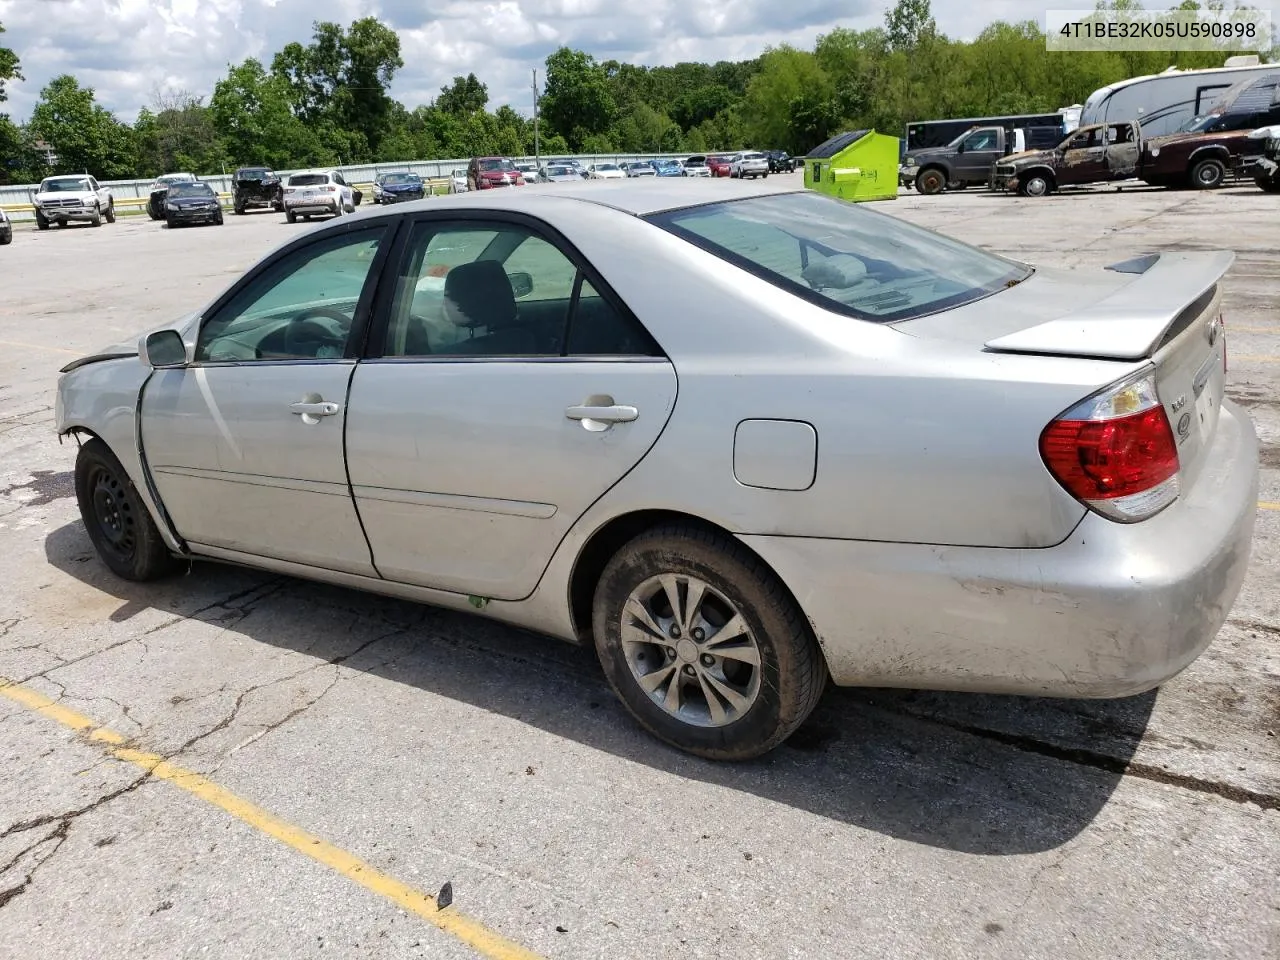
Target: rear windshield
(190, 190)
(843, 256)
(308, 179)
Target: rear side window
(843, 256)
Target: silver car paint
(897, 404)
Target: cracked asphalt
(440, 747)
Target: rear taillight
(1115, 452)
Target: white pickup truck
(73, 197)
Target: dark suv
(780, 161)
(256, 187)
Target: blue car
(395, 187)
(668, 168)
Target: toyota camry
(741, 445)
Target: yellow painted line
(37, 346)
(1268, 505)
(473, 933)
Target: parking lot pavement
(291, 770)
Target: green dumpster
(857, 165)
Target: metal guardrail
(16, 198)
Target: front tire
(111, 212)
(1268, 184)
(291, 216)
(1034, 185)
(930, 182)
(1208, 174)
(116, 519)
(704, 645)
(42, 223)
(96, 219)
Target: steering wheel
(307, 336)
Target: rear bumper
(1111, 611)
(311, 206)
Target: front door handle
(600, 413)
(312, 410)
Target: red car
(718, 165)
(485, 173)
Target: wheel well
(935, 165)
(1218, 153)
(1046, 172)
(607, 541)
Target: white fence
(18, 195)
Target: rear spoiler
(1130, 323)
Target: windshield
(253, 173)
(559, 172)
(607, 166)
(402, 178)
(65, 185)
(308, 179)
(189, 190)
(496, 165)
(843, 256)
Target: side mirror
(356, 197)
(521, 284)
(165, 349)
(960, 147)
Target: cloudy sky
(127, 49)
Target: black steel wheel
(116, 519)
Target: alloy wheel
(690, 650)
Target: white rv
(1163, 102)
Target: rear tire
(734, 698)
(117, 521)
(1268, 184)
(1208, 174)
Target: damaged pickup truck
(1116, 151)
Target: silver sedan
(739, 446)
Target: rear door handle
(312, 411)
(596, 417)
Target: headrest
(478, 294)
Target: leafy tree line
(327, 101)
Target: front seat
(478, 295)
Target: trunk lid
(1162, 309)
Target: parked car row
(1202, 154)
(181, 198)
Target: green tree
(577, 102)
(342, 78)
(909, 24)
(463, 97)
(8, 68)
(85, 136)
(250, 111)
(177, 133)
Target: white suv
(749, 164)
(76, 197)
(317, 192)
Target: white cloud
(126, 49)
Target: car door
(979, 151)
(245, 442)
(508, 389)
(1084, 157)
(1122, 151)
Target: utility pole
(535, 119)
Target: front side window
(843, 256)
(501, 290)
(986, 140)
(302, 307)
